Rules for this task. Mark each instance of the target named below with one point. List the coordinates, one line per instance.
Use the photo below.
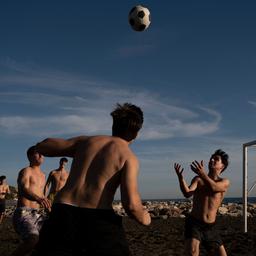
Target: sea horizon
(238, 200)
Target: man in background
(56, 179)
(4, 189)
(27, 219)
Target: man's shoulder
(124, 149)
(25, 170)
(197, 178)
(224, 180)
(52, 172)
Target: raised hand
(197, 167)
(178, 169)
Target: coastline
(165, 209)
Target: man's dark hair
(224, 157)
(63, 159)
(127, 118)
(31, 151)
(2, 178)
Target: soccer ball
(139, 18)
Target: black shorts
(79, 231)
(204, 232)
(2, 205)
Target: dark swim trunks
(204, 232)
(72, 230)
(2, 205)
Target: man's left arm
(216, 186)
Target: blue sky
(65, 64)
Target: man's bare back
(83, 207)
(102, 163)
(96, 171)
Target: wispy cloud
(180, 124)
(252, 103)
(83, 108)
(52, 125)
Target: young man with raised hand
(208, 192)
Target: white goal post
(245, 181)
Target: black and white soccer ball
(139, 18)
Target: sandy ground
(162, 237)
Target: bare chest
(37, 180)
(3, 189)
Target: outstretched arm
(186, 190)
(215, 186)
(58, 147)
(129, 193)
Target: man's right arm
(129, 193)
(186, 190)
(53, 147)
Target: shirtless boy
(82, 221)
(26, 219)
(4, 189)
(208, 192)
(56, 179)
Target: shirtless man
(26, 219)
(208, 192)
(82, 221)
(4, 189)
(56, 179)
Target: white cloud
(252, 103)
(69, 104)
(91, 114)
(53, 125)
(172, 125)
